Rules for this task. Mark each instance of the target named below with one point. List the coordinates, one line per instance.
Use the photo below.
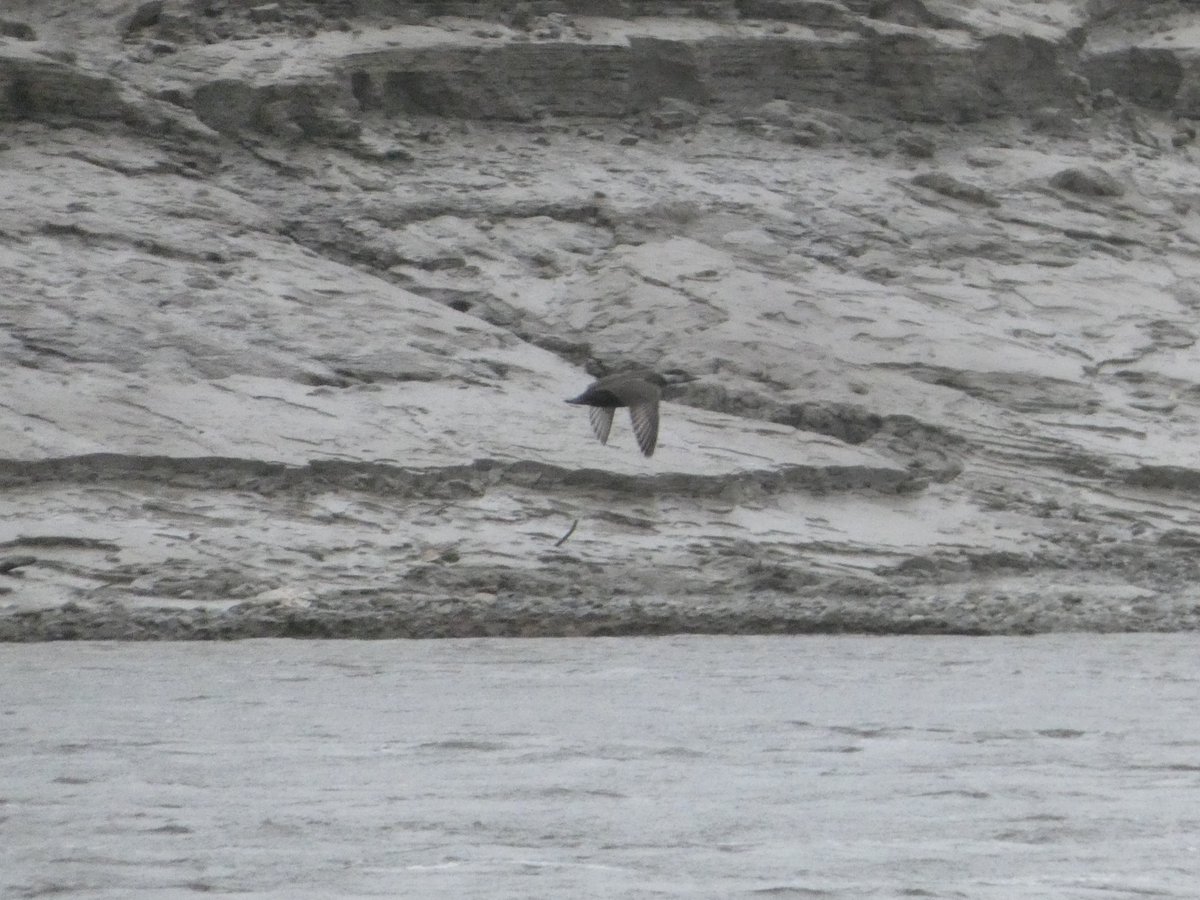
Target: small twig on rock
(570, 531)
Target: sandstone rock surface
(292, 294)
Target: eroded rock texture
(292, 294)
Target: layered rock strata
(293, 293)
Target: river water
(1062, 766)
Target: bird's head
(669, 380)
(673, 377)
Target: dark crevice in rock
(844, 421)
(146, 15)
(848, 423)
(846, 607)
(912, 13)
(1017, 391)
(148, 245)
(347, 377)
(1170, 478)
(314, 231)
(40, 349)
(56, 540)
(1147, 77)
(954, 188)
(19, 99)
(931, 451)
(1089, 181)
(472, 479)
(46, 88)
(19, 30)
(302, 110)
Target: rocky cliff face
(292, 294)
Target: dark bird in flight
(640, 391)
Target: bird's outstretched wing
(601, 417)
(645, 425)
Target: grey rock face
(291, 298)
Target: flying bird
(640, 391)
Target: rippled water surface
(1064, 767)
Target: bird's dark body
(594, 396)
